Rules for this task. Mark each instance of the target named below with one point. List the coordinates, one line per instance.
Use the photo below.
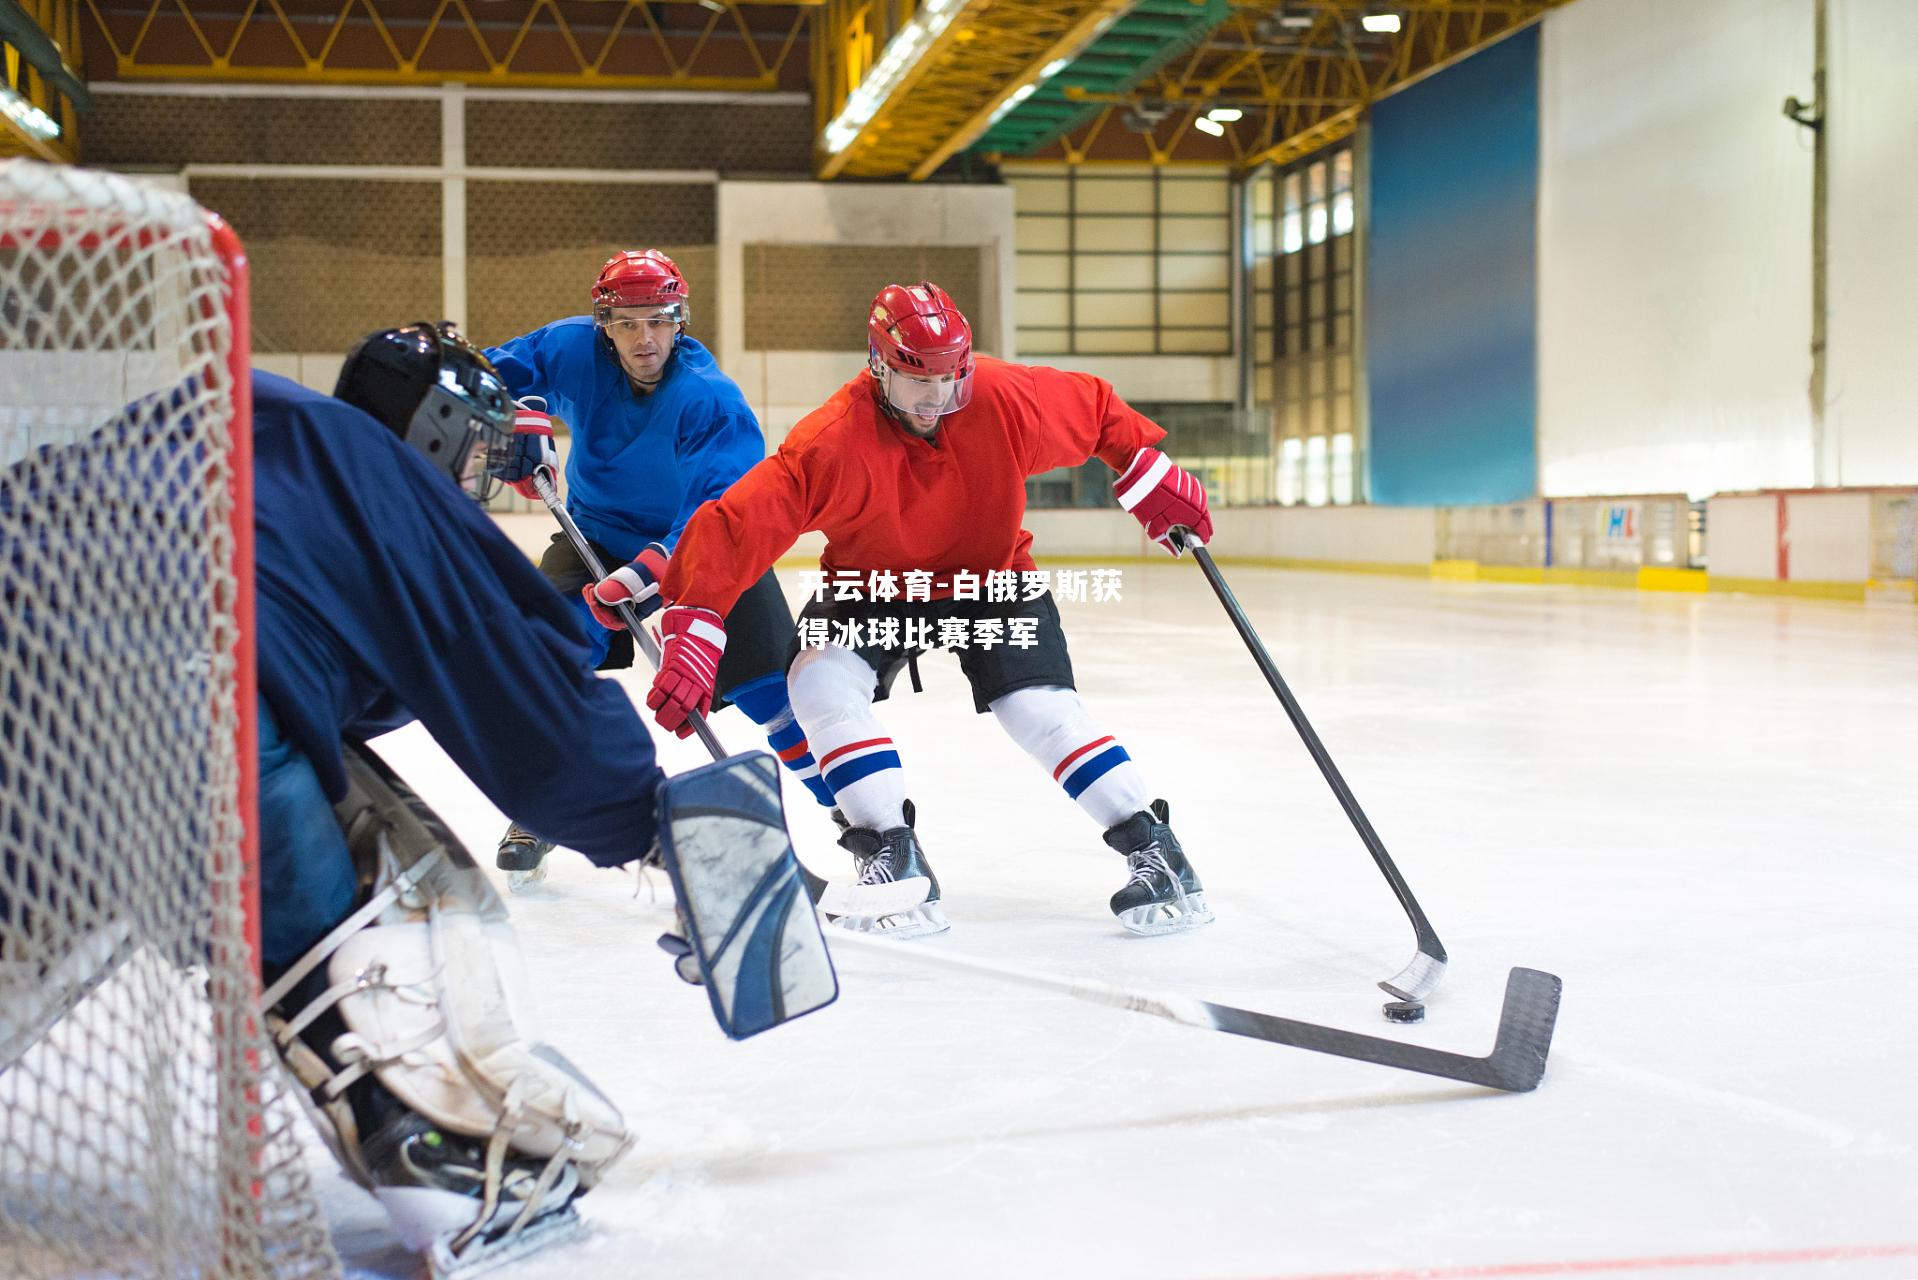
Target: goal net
(144, 1126)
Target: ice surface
(1700, 811)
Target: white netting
(144, 1127)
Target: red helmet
(642, 279)
(916, 330)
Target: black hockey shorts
(759, 630)
(993, 669)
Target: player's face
(922, 399)
(643, 338)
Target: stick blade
(1416, 980)
(1525, 1026)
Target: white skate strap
(316, 955)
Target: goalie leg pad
(483, 1128)
(750, 926)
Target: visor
(923, 395)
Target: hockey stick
(871, 900)
(1515, 1064)
(1416, 980)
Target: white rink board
(1698, 810)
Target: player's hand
(688, 667)
(1163, 496)
(636, 584)
(530, 449)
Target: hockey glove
(636, 584)
(688, 667)
(530, 449)
(1161, 496)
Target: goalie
(384, 594)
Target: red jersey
(886, 499)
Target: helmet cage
(464, 421)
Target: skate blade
(521, 881)
(551, 1230)
(922, 921)
(1156, 918)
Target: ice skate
(885, 857)
(1164, 894)
(522, 856)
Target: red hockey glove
(688, 667)
(530, 449)
(636, 584)
(1161, 495)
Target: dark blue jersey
(385, 594)
(639, 465)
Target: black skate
(434, 1185)
(882, 857)
(1164, 894)
(522, 856)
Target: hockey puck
(1404, 1011)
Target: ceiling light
(714, 5)
(29, 117)
(1205, 124)
(1380, 24)
(901, 52)
(1225, 115)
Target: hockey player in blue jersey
(657, 430)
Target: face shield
(922, 395)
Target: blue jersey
(384, 594)
(640, 464)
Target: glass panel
(1294, 270)
(1292, 235)
(1317, 472)
(1342, 213)
(1294, 338)
(1189, 271)
(1294, 188)
(1262, 311)
(1115, 342)
(1177, 308)
(1341, 414)
(1342, 292)
(1290, 479)
(1128, 234)
(1342, 170)
(1262, 200)
(1040, 195)
(1342, 331)
(1204, 341)
(1263, 273)
(1294, 306)
(1263, 229)
(1214, 235)
(1342, 254)
(1342, 469)
(1033, 342)
(1096, 309)
(1206, 194)
(1342, 372)
(1315, 181)
(1044, 271)
(1097, 194)
(1041, 310)
(1133, 273)
(1295, 379)
(1315, 223)
(1262, 379)
(1041, 232)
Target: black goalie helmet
(438, 393)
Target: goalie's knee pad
(408, 1027)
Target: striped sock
(1052, 725)
(866, 778)
(765, 703)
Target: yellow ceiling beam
(981, 61)
(1066, 47)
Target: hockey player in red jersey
(915, 470)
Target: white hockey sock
(832, 692)
(1053, 727)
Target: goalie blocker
(750, 932)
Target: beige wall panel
(137, 129)
(802, 297)
(534, 249)
(731, 137)
(332, 259)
